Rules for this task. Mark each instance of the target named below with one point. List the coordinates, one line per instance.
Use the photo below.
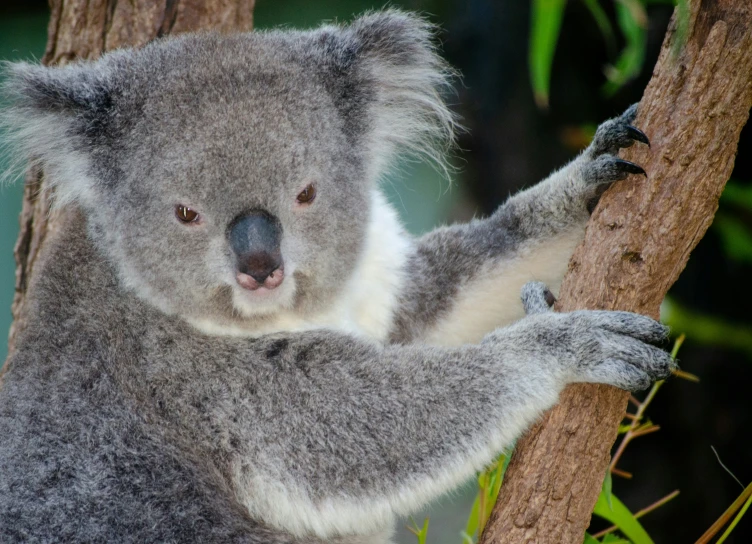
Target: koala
(231, 338)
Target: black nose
(255, 238)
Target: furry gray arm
(463, 280)
(348, 433)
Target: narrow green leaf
(544, 32)
(737, 194)
(613, 539)
(620, 516)
(739, 516)
(705, 328)
(632, 20)
(420, 532)
(472, 521)
(736, 237)
(606, 490)
(589, 539)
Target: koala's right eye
(186, 214)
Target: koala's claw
(607, 169)
(616, 134)
(629, 167)
(638, 135)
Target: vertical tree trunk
(637, 243)
(84, 29)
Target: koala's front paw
(603, 166)
(614, 348)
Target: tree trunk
(637, 242)
(84, 29)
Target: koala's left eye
(186, 214)
(307, 195)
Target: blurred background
(537, 79)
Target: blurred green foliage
(632, 20)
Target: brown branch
(84, 29)
(637, 243)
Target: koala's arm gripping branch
(352, 433)
(637, 243)
(464, 280)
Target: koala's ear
(73, 90)
(393, 71)
(54, 116)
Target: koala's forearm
(348, 434)
(464, 279)
(461, 279)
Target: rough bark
(84, 29)
(637, 242)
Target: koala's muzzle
(255, 238)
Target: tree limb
(637, 242)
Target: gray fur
(447, 260)
(122, 422)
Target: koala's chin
(263, 301)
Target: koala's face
(237, 200)
(229, 177)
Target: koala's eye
(307, 195)
(186, 214)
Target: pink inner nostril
(272, 281)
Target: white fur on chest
(492, 298)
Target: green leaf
(624, 428)
(620, 516)
(705, 328)
(472, 521)
(606, 490)
(737, 194)
(632, 20)
(589, 539)
(613, 539)
(736, 237)
(420, 532)
(544, 32)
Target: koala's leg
(329, 434)
(463, 281)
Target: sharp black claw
(636, 134)
(630, 167)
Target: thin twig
(621, 473)
(739, 516)
(634, 427)
(726, 516)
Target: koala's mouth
(251, 297)
(267, 280)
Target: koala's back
(80, 459)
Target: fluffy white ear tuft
(394, 54)
(48, 122)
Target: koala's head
(231, 177)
